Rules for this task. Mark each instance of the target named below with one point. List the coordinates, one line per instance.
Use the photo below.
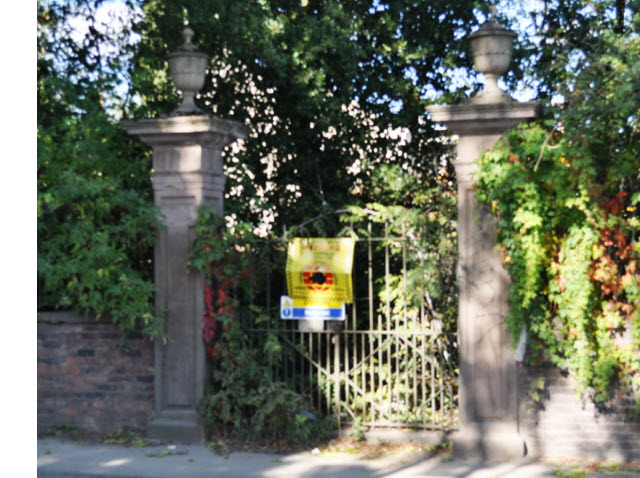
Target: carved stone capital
(472, 119)
(206, 131)
(478, 127)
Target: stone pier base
(488, 441)
(180, 425)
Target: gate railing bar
(318, 373)
(422, 329)
(419, 333)
(370, 290)
(387, 273)
(336, 379)
(322, 369)
(405, 291)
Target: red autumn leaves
(220, 310)
(616, 267)
(218, 305)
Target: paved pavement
(64, 459)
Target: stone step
(180, 426)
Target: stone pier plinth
(187, 174)
(488, 386)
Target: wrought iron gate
(392, 363)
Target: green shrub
(96, 218)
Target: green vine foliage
(565, 192)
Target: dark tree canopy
(334, 92)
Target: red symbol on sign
(317, 277)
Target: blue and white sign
(290, 310)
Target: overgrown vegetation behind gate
(393, 362)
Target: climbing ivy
(565, 191)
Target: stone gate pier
(187, 174)
(488, 382)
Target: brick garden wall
(92, 375)
(562, 425)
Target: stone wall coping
(69, 317)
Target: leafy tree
(334, 93)
(96, 219)
(566, 193)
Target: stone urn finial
(492, 46)
(187, 67)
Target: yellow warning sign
(319, 270)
